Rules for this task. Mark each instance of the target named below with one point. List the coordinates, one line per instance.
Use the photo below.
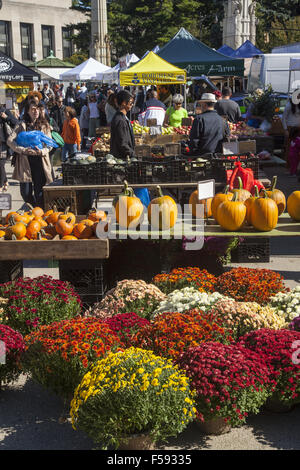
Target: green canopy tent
(187, 52)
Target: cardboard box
(247, 146)
(276, 126)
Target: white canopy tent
(111, 75)
(85, 71)
(294, 67)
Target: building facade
(239, 22)
(31, 27)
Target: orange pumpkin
(232, 214)
(82, 230)
(264, 213)
(36, 211)
(293, 205)
(277, 196)
(64, 227)
(88, 222)
(68, 215)
(16, 231)
(249, 205)
(41, 221)
(195, 205)
(8, 216)
(69, 237)
(129, 210)
(218, 199)
(52, 216)
(33, 229)
(162, 211)
(96, 215)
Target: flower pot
(277, 406)
(214, 426)
(137, 442)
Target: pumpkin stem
(240, 182)
(69, 219)
(226, 189)
(256, 193)
(30, 206)
(11, 220)
(274, 182)
(159, 191)
(235, 197)
(67, 209)
(265, 196)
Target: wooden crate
(78, 201)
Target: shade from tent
(226, 50)
(13, 71)
(152, 70)
(187, 52)
(246, 50)
(85, 71)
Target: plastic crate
(88, 277)
(252, 250)
(10, 270)
(164, 170)
(75, 174)
(79, 202)
(221, 163)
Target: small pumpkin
(195, 204)
(68, 215)
(2, 233)
(17, 230)
(36, 211)
(64, 227)
(21, 216)
(82, 230)
(249, 205)
(162, 211)
(293, 205)
(96, 215)
(8, 216)
(129, 209)
(69, 237)
(218, 199)
(41, 221)
(277, 196)
(242, 194)
(232, 214)
(53, 216)
(33, 229)
(264, 213)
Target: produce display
(138, 129)
(51, 225)
(241, 129)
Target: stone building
(36, 27)
(239, 22)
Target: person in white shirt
(94, 115)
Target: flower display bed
(150, 358)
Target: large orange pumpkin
(218, 199)
(162, 211)
(277, 196)
(232, 214)
(264, 215)
(249, 205)
(293, 205)
(196, 205)
(129, 209)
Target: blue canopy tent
(226, 50)
(246, 51)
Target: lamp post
(34, 56)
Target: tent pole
(184, 90)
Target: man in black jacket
(7, 122)
(57, 112)
(208, 130)
(122, 142)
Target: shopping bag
(246, 175)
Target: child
(294, 150)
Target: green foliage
(264, 105)
(78, 58)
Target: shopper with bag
(7, 123)
(70, 134)
(32, 166)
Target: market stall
(85, 71)
(16, 79)
(52, 67)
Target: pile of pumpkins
(52, 224)
(234, 209)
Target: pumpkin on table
(293, 205)
(162, 211)
(15, 231)
(129, 209)
(33, 229)
(68, 215)
(277, 196)
(82, 230)
(96, 215)
(231, 214)
(242, 194)
(249, 205)
(264, 214)
(196, 205)
(64, 227)
(218, 199)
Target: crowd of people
(72, 116)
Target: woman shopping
(175, 113)
(70, 133)
(32, 166)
